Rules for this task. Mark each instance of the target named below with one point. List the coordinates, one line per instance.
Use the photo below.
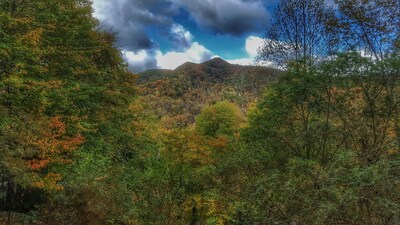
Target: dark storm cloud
(128, 18)
(134, 39)
(234, 17)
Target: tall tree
(67, 102)
(296, 33)
(371, 26)
(323, 142)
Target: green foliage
(223, 118)
(69, 115)
(177, 96)
(312, 144)
(79, 146)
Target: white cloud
(242, 61)
(197, 53)
(98, 7)
(252, 44)
(180, 31)
(152, 59)
(130, 18)
(132, 56)
(193, 51)
(140, 61)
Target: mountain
(177, 96)
(214, 70)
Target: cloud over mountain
(141, 24)
(153, 58)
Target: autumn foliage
(52, 146)
(85, 141)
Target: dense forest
(313, 139)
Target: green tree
(297, 32)
(222, 118)
(370, 26)
(67, 103)
(320, 149)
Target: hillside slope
(177, 96)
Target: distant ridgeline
(177, 96)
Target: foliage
(178, 96)
(223, 118)
(67, 101)
(297, 32)
(371, 26)
(209, 143)
(319, 140)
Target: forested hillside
(315, 141)
(177, 96)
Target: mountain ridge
(177, 96)
(216, 69)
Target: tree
(296, 33)
(222, 118)
(67, 102)
(371, 27)
(321, 146)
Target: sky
(163, 34)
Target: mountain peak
(215, 70)
(216, 61)
(185, 66)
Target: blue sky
(166, 33)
